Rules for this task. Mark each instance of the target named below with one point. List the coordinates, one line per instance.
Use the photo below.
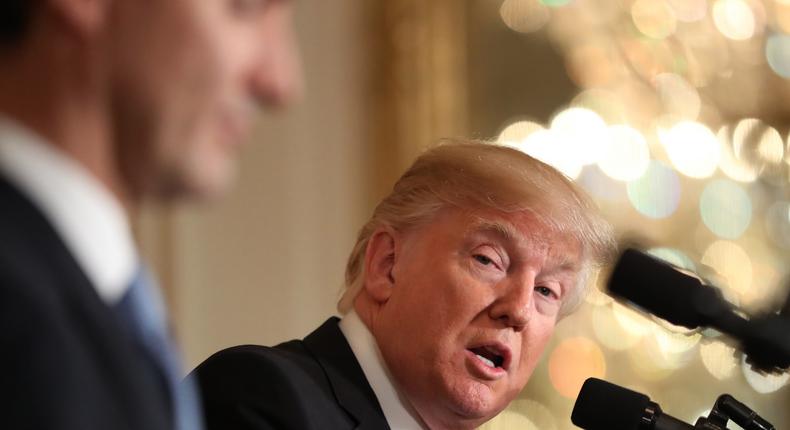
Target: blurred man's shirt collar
(399, 414)
(88, 218)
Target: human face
(474, 300)
(185, 79)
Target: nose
(514, 305)
(277, 78)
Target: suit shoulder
(289, 357)
(253, 386)
(250, 370)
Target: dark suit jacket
(67, 362)
(315, 383)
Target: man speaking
(453, 290)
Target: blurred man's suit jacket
(309, 384)
(68, 362)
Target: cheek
(532, 348)
(190, 111)
(425, 317)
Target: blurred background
(673, 114)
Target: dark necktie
(142, 309)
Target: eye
(545, 291)
(484, 260)
(488, 259)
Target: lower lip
(482, 370)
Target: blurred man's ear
(83, 18)
(380, 258)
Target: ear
(83, 17)
(380, 257)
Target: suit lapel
(348, 382)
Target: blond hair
(471, 174)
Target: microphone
(602, 405)
(659, 288)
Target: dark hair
(15, 18)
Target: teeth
(486, 361)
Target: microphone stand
(729, 409)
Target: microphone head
(659, 288)
(602, 405)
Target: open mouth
(489, 356)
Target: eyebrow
(508, 232)
(503, 229)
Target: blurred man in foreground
(453, 290)
(104, 103)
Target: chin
(198, 182)
(207, 188)
(477, 402)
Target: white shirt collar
(88, 218)
(399, 414)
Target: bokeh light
(573, 361)
(583, 132)
(524, 16)
(555, 3)
(652, 363)
(733, 266)
(732, 166)
(673, 257)
(746, 132)
(632, 321)
(515, 133)
(719, 359)
(771, 147)
(546, 146)
(782, 15)
(734, 19)
(787, 150)
(610, 332)
(763, 383)
(677, 95)
(654, 18)
(510, 419)
(726, 208)
(768, 285)
(626, 156)
(777, 223)
(593, 63)
(657, 193)
(603, 102)
(777, 52)
(674, 347)
(523, 414)
(757, 143)
(689, 10)
(601, 186)
(596, 296)
(692, 148)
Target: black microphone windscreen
(605, 406)
(658, 287)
